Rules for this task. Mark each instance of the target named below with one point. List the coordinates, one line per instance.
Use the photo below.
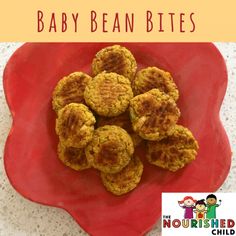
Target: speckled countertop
(20, 217)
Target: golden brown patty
(152, 77)
(70, 89)
(108, 94)
(115, 59)
(174, 151)
(126, 180)
(75, 125)
(110, 149)
(153, 114)
(73, 157)
(122, 121)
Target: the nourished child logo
(198, 213)
(200, 207)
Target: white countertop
(20, 217)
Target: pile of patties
(102, 119)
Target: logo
(198, 213)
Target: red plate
(30, 153)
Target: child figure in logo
(200, 209)
(211, 206)
(188, 203)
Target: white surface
(20, 217)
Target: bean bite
(108, 94)
(153, 77)
(153, 114)
(73, 157)
(174, 151)
(116, 59)
(70, 89)
(75, 125)
(110, 149)
(126, 180)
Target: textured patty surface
(73, 157)
(75, 125)
(153, 114)
(70, 89)
(174, 151)
(126, 180)
(108, 94)
(116, 59)
(153, 77)
(110, 149)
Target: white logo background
(170, 207)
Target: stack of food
(101, 120)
